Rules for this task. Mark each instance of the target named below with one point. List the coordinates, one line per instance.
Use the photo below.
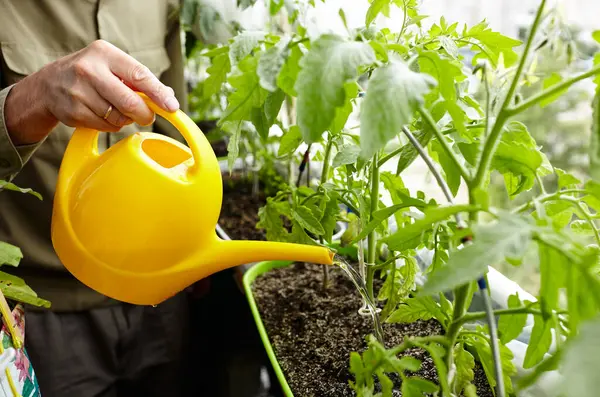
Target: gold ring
(108, 111)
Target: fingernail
(172, 104)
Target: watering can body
(137, 222)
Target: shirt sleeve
(12, 157)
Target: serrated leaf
(408, 153)
(449, 45)
(594, 152)
(347, 155)
(492, 45)
(342, 113)
(417, 387)
(508, 238)
(484, 354)
(304, 216)
(217, 75)
(510, 326)
(243, 44)
(15, 288)
(580, 363)
(539, 343)
(582, 228)
(290, 141)
(9, 254)
(395, 92)
(465, 362)
(566, 180)
(399, 194)
(405, 238)
(270, 219)
(264, 117)
(549, 81)
(330, 215)
(270, 64)
(328, 66)
(376, 7)
(412, 310)
(248, 92)
(234, 129)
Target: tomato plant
(411, 89)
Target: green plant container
(249, 277)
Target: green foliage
(9, 254)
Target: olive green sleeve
(12, 158)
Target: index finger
(140, 78)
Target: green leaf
(510, 326)
(331, 212)
(446, 71)
(248, 92)
(539, 343)
(9, 254)
(217, 75)
(405, 238)
(451, 171)
(582, 228)
(330, 63)
(517, 156)
(290, 141)
(376, 7)
(449, 45)
(304, 216)
(484, 353)
(243, 44)
(243, 4)
(408, 153)
(347, 155)
(417, 387)
(580, 363)
(270, 64)
(234, 129)
(595, 139)
(492, 45)
(289, 72)
(551, 80)
(464, 367)
(566, 180)
(264, 117)
(378, 217)
(596, 35)
(4, 185)
(275, 6)
(508, 238)
(413, 309)
(395, 92)
(553, 274)
(342, 113)
(270, 219)
(15, 288)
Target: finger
(85, 117)
(122, 98)
(140, 78)
(101, 106)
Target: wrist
(27, 117)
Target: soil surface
(239, 212)
(313, 331)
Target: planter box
(249, 277)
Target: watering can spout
(228, 253)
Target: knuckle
(140, 73)
(129, 104)
(99, 45)
(81, 68)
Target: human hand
(93, 88)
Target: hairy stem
(491, 143)
(324, 175)
(372, 237)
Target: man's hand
(79, 89)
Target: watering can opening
(165, 153)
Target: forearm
(27, 119)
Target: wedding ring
(108, 111)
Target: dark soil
(239, 212)
(313, 331)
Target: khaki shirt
(34, 33)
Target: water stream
(359, 283)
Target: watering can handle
(85, 140)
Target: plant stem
(468, 317)
(324, 175)
(372, 237)
(548, 197)
(550, 91)
(493, 139)
(586, 215)
(440, 137)
(494, 342)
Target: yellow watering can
(137, 222)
